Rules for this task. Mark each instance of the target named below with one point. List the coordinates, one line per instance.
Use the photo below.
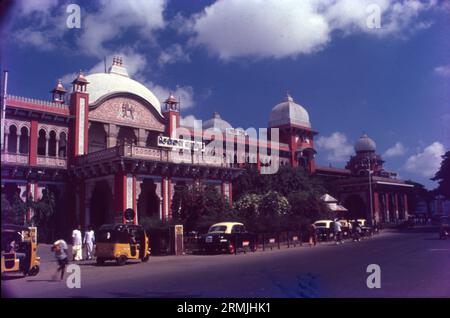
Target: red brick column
(32, 155)
(387, 208)
(376, 207)
(230, 196)
(405, 199)
(396, 205)
(169, 195)
(120, 195)
(135, 221)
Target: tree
(442, 176)
(419, 193)
(306, 208)
(273, 209)
(44, 211)
(248, 204)
(196, 208)
(14, 208)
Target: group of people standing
(78, 241)
(60, 248)
(353, 227)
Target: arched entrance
(126, 136)
(97, 137)
(148, 203)
(356, 207)
(101, 205)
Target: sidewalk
(47, 256)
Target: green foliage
(442, 176)
(248, 204)
(155, 223)
(197, 208)
(287, 200)
(273, 210)
(43, 216)
(417, 194)
(14, 209)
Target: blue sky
(240, 57)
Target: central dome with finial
(117, 80)
(216, 122)
(365, 144)
(289, 113)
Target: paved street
(413, 263)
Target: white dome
(289, 112)
(216, 122)
(364, 143)
(103, 84)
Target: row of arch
(52, 144)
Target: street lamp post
(370, 190)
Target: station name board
(164, 141)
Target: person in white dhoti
(77, 244)
(89, 241)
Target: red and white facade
(107, 146)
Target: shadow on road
(422, 229)
(12, 277)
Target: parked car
(324, 230)
(228, 237)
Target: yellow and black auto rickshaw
(121, 242)
(19, 246)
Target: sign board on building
(176, 143)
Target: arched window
(12, 139)
(24, 141)
(62, 145)
(52, 144)
(41, 143)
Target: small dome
(289, 112)
(216, 122)
(364, 144)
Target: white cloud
(263, 28)
(427, 162)
(110, 21)
(114, 18)
(443, 70)
(337, 146)
(396, 150)
(283, 28)
(26, 7)
(134, 62)
(185, 94)
(190, 121)
(174, 53)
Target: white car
(324, 229)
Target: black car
(228, 237)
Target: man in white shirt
(77, 244)
(89, 240)
(337, 231)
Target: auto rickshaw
(121, 242)
(19, 245)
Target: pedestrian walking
(356, 231)
(89, 241)
(60, 249)
(312, 235)
(77, 244)
(337, 231)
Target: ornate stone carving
(126, 111)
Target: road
(413, 264)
